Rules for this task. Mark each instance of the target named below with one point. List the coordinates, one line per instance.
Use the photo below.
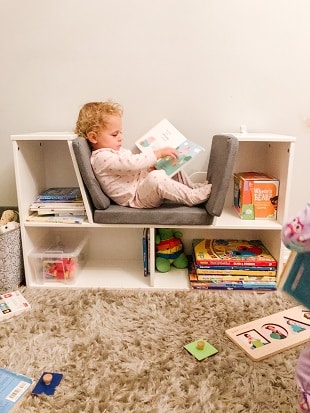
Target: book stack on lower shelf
(58, 205)
(219, 264)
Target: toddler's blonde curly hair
(94, 115)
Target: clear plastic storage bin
(59, 259)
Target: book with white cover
(12, 303)
(165, 134)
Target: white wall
(207, 65)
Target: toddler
(296, 236)
(130, 179)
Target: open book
(165, 134)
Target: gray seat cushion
(220, 169)
(167, 214)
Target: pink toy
(296, 232)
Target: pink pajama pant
(157, 186)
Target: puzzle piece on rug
(47, 383)
(200, 349)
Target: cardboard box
(256, 195)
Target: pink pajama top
(120, 172)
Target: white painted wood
(114, 254)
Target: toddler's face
(111, 135)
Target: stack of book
(61, 204)
(219, 264)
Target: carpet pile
(122, 351)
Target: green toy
(169, 250)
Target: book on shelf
(64, 205)
(245, 271)
(76, 219)
(264, 270)
(58, 208)
(146, 251)
(58, 204)
(193, 276)
(230, 252)
(12, 303)
(241, 286)
(62, 212)
(295, 276)
(165, 134)
(225, 277)
(13, 388)
(60, 194)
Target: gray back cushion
(221, 163)
(83, 153)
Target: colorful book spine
(198, 277)
(145, 252)
(234, 267)
(243, 272)
(55, 204)
(232, 286)
(228, 282)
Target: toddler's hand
(167, 151)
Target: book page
(165, 134)
(186, 152)
(161, 135)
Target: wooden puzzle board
(270, 335)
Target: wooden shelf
(114, 259)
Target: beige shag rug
(122, 351)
